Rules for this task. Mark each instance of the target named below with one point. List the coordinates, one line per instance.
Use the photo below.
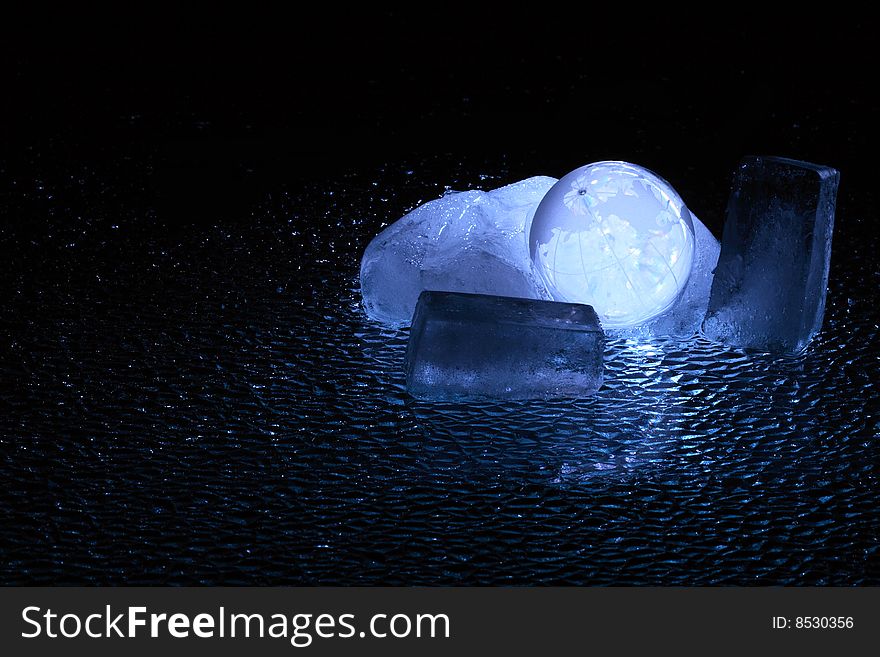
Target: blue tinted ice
(474, 345)
(463, 242)
(769, 287)
(477, 242)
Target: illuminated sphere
(617, 237)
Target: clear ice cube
(769, 287)
(473, 345)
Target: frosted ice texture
(477, 242)
(472, 346)
(769, 287)
(462, 242)
(616, 236)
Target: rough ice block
(770, 282)
(463, 242)
(476, 345)
(476, 242)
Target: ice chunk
(769, 287)
(463, 242)
(477, 242)
(473, 345)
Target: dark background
(225, 98)
(175, 188)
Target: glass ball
(617, 237)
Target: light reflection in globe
(617, 237)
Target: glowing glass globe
(617, 237)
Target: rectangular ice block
(769, 287)
(476, 345)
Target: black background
(131, 140)
(237, 98)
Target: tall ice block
(475, 345)
(769, 287)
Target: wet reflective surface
(207, 403)
(190, 391)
